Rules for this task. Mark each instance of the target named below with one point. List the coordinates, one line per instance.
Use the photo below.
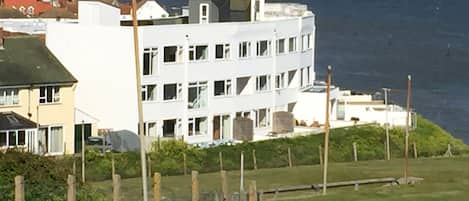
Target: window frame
(193, 52)
(198, 85)
(226, 51)
(244, 45)
(178, 54)
(277, 46)
(152, 68)
(193, 121)
(13, 93)
(227, 88)
(204, 19)
(55, 97)
(267, 83)
(178, 92)
(145, 93)
(292, 41)
(280, 81)
(268, 51)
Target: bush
(45, 178)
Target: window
(173, 54)
(199, 52)
(280, 81)
(9, 97)
(149, 129)
(150, 60)
(197, 95)
(263, 83)
(172, 91)
(49, 94)
(149, 92)
(310, 41)
(222, 88)
(291, 77)
(12, 138)
(308, 75)
(169, 127)
(3, 139)
(245, 114)
(280, 46)
(262, 117)
(302, 84)
(263, 48)
(222, 51)
(204, 13)
(30, 10)
(197, 126)
(51, 139)
(305, 42)
(244, 49)
(292, 44)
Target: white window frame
(267, 52)
(193, 52)
(152, 67)
(245, 45)
(198, 85)
(310, 41)
(308, 75)
(304, 42)
(227, 88)
(280, 81)
(302, 80)
(283, 50)
(178, 91)
(177, 127)
(258, 123)
(146, 128)
(226, 51)
(204, 19)
(193, 121)
(179, 54)
(55, 94)
(7, 140)
(292, 41)
(49, 139)
(9, 94)
(258, 83)
(146, 96)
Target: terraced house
(36, 98)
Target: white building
(197, 77)
(146, 10)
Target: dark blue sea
(373, 44)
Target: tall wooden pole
(83, 173)
(326, 132)
(19, 188)
(241, 179)
(386, 124)
(406, 163)
(139, 100)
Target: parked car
(97, 142)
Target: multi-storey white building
(223, 61)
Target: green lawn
(445, 179)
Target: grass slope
(445, 179)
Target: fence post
(289, 158)
(116, 187)
(449, 153)
(71, 193)
(220, 158)
(113, 166)
(224, 186)
(156, 186)
(415, 150)
(355, 154)
(149, 166)
(252, 191)
(74, 167)
(320, 155)
(254, 160)
(195, 186)
(185, 165)
(19, 188)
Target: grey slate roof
(13, 121)
(25, 60)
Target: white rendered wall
(368, 114)
(101, 58)
(97, 13)
(149, 10)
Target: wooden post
(326, 132)
(415, 150)
(320, 156)
(149, 166)
(74, 167)
(355, 154)
(195, 186)
(71, 192)
(241, 179)
(156, 186)
(254, 160)
(185, 164)
(224, 186)
(19, 188)
(83, 173)
(449, 153)
(289, 158)
(113, 166)
(356, 187)
(406, 154)
(116, 187)
(252, 191)
(220, 158)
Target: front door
(216, 127)
(78, 131)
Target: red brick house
(28, 7)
